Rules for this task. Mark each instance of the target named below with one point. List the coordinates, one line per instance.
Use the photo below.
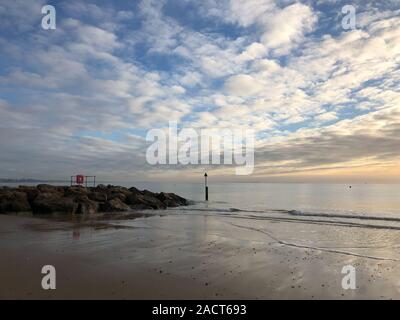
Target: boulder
(134, 190)
(86, 206)
(100, 187)
(14, 201)
(147, 193)
(132, 199)
(97, 196)
(48, 188)
(47, 199)
(53, 203)
(171, 199)
(150, 200)
(31, 192)
(114, 205)
(123, 190)
(75, 191)
(116, 195)
(138, 202)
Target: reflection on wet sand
(203, 255)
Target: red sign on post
(80, 179)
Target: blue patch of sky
(292, 127)
(350, 112)
(116, 135)
(189, 16)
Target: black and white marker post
(205, 184)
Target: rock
(14, 201)
(86, 206)
(134, 190)
(49, 188)
(47, 199)
(114, 205)
(98, 196)
(31, 192)
(46, 203)
(116, 195)
(123, 190)
(146, 200)
(152, 201)
(171, 199)
(75, 191)
(132, 199)
(147, 193)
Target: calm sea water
(328, 198)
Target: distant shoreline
(29, 180)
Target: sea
(363, 203)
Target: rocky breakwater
(47, 199)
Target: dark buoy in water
(205, 185)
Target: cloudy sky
(324, 102)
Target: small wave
(221, 210)
(318, 222)
(234, 214)
(297, 213)
(296, 216)
(342, 216)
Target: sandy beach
(179, 256)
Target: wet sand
(176, 256)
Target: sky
(324, 102)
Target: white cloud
(326, 117)
(286, 28)
(243, 85)
(97, 77)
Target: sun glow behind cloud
(324, 102)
